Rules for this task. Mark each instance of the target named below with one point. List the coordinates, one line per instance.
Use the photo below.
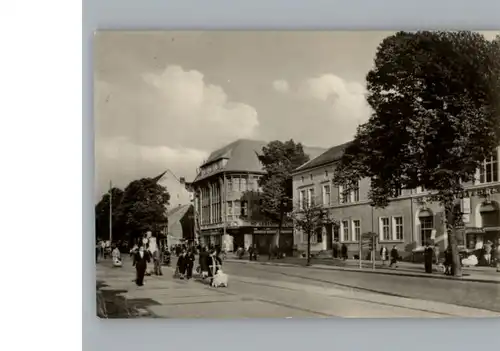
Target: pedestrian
(498, 255)
(437, 253)
(428, 258)
(255, 252)
(97, 251)
(103, 247)
(189, 263)
(344, 251)
(250, 253)
(394, 256)
(157, 254)
(384, 254)
(117, 260)
(203, 261)
(488, 247)
(141, 260)
(181, 264)
(448, 261)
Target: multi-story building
(180, 209)
(409, 221)
(227, 199)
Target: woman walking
(141, 260)
(384, 254)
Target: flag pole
(110, 212)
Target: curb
(355, 270)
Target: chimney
(182, 180)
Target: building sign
(271, 231)
(465, 205)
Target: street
(258, 291)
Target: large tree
(435, 99)
(143, 207)
(310, 219)
(102, 216)
(279, 160)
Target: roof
(176, 214)
(331, 155)
(242, 156)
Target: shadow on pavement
(111, 304)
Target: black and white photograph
(297, 174)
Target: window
(229, 183)
(319, 235)
(314, 237)
(326, 173)
(489, 170)
(326, 195)
(426, 228)
(244, 209)
(397, 223)
(302, 196)
(310, 197)
(345, 230)
(343, 195)
(255, 183)
(356, 229)
(243, 184)
(311, 176)
(236, 183)
(237, 209)
(346, 196)
(385, 229)
(302, 179)
(355, 193)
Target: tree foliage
(102, 215)
(435, 101)
(310, 219)
(279, 160)
(141, 207)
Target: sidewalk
(472, 274)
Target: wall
(179, 195)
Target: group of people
(185, 263)
(339, 251)
(385, 255)
(209, 262)
(145, 250)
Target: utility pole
(110, 212)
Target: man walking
(394, 256)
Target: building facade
(180, 208)
(227, 200)
(408, 222)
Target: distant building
(180, 225)
(180, 208)
(227, 199)
(176, 187)
(409, 221)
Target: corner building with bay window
(227, 200)
(409, 221)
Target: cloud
(122, 161)
(165, 119)
(281, 86)
(346, 102)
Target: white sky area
(165, 100)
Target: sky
(165, 100)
